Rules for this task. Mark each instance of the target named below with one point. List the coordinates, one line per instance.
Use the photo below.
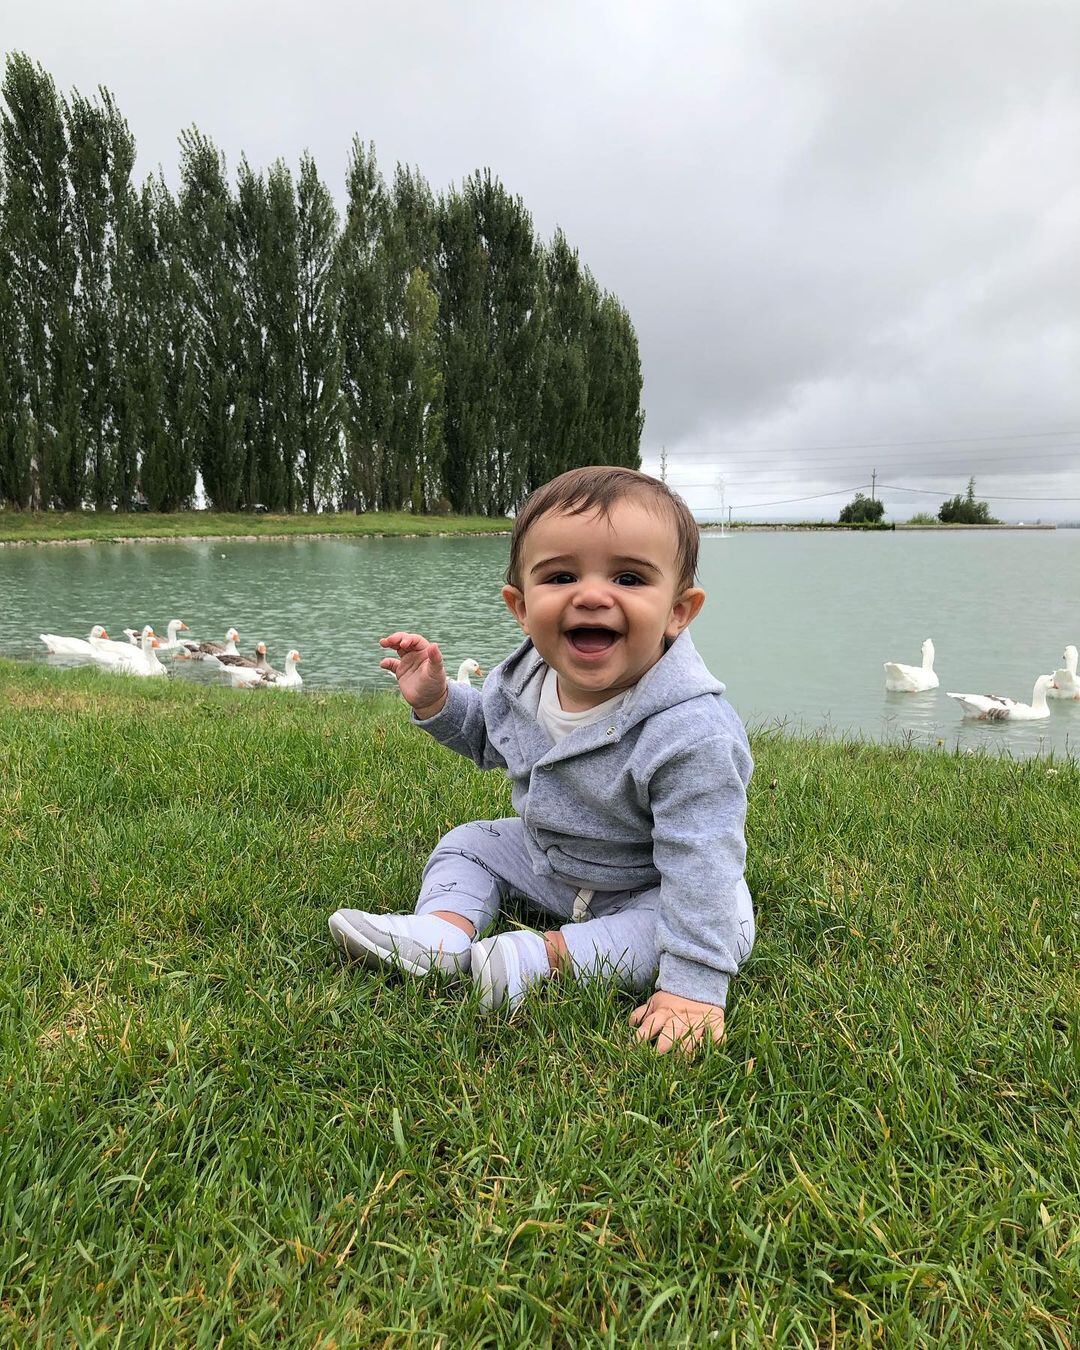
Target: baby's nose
(593, 595)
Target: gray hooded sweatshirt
(655, 795)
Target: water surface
(796, 624)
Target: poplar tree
(365, 345)
(174, 352)
(616, 392)
(14, 412)
(124, 301)
(249, 212)
(561, 441)
(211, 258)
(417, 435)
(33, 147)
(280, 276)
(89, 215)
(144, 366)
(462, 330)
(319, 403)
(489, 292)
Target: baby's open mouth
(591, 640)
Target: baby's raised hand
(677, 1023)
(418, 669)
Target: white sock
(526, 961)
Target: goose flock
(1063, 684)
(141, 655)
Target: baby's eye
(560, 578)
(629, 579)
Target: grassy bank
(213, 1131)
(45, 527)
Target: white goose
(173, 641)
(254, 678)
(72, 646)
(142, 662)
(998, 708)
(109, 653)
(105, 649)
(1066, 682)
(912, 679)
(466, 671)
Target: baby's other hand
(674, 1022)
(418, 669)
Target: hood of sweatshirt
(679, 676)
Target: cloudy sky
(846, 230)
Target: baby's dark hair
(597, 487)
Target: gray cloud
(832, 224)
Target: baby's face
(600, 596)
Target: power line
(994, 496)
(954, 475)
(756, 456)
(886, 445)
(785, 501)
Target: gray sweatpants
(477, 867)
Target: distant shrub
(923, 518)
(966, 510)
(441, 507)
(862, 510)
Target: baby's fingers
(403, 642)
(680, 1035)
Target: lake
(796, 624)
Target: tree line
(419, 352)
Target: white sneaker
(504, 967)
(416, 943)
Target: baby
(628, 772)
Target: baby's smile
(590, 641)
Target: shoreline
(83, 542)
(81, 528)
(69, 530)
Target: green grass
(71, 526)
(214, 1133)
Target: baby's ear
(685, 610)
(515, 603)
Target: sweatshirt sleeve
(460, 726)
(698, 800)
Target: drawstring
(581, 904)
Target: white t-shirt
(554, 718)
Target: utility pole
(663, 464)
(729, 517)
(873, 483)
